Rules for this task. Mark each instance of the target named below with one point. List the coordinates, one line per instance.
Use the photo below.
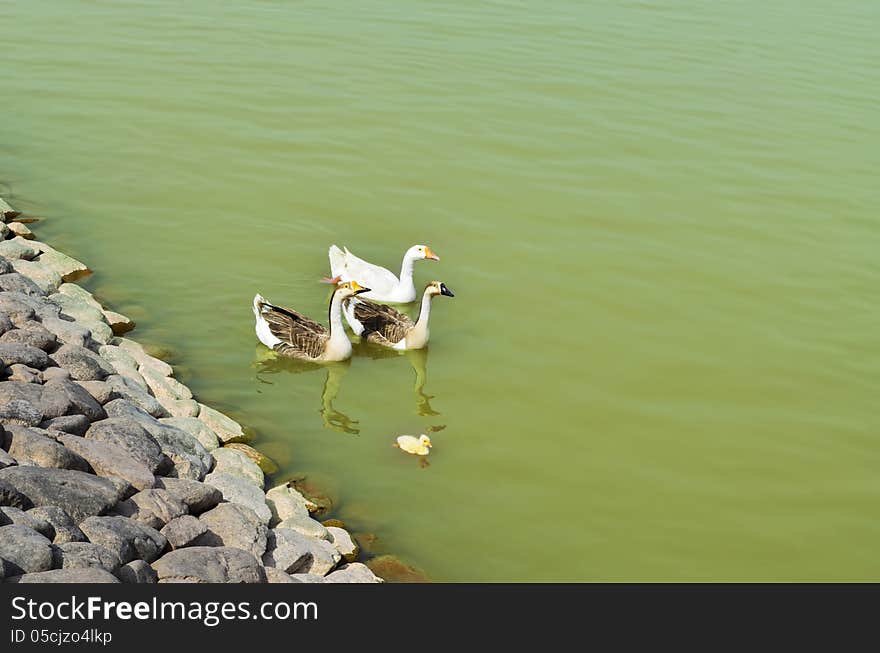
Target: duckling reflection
(418, 359)
(268, 363)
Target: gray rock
(79, 494)
(287, 550)
(29, 447)
(137, 571)
(77, 555)
(83, 364)
(99, 390)
(20, 229)
(115, 355)
(64, 527)
(17, 307)
(56, 374)
(142, 357)
(343, 543)
(20, 412)
(5, 323)
(129, 435)
(76, 576)
(16, 282)
(286, 502)
(230, 524)
(183, 531)
(226, 428)
(46, 279)
(68, 331)
(155, 507)
(182, 408)
(76, 424)
(197, 497)
(17, 248)
(236, 463)
(129, 389)
(23, 374)
(354, 572)
(164, 387)
(24, 550)
(196, 428)
(10, 496)
(324, 558)
(5, 459)
(203, 564)
(67, 268)
(85, 314)
(47, 400)
(81, 402)
(33, 334)
(307, 578)
(19, 516)
(5, 265)
(128, 538)
(274, 575)
(16, 352)
(306, 526)
(110, 460)
(242, 492)
(118, 322)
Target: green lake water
(660, 220)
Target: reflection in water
(418, 359)
(267, 362)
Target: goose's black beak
(446, 291)
(361, 290)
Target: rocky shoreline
(111, 471)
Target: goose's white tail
(337, 261)
(264, 333)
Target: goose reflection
(418, 359)
(268, 363)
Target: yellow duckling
(418, 446)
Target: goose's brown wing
(381, 322)
(299, 335)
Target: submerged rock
(393, 570)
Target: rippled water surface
(660, 220)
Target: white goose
(385, 287)
(293, 334)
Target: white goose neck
(418, 335)
(339, 342)
(406, 273)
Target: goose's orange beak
(430, 255)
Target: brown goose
(383, 325)
(292, 334)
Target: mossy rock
(338, 523)
(263, 461)
(314, 493)
(393, 570)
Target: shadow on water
(268, 363)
